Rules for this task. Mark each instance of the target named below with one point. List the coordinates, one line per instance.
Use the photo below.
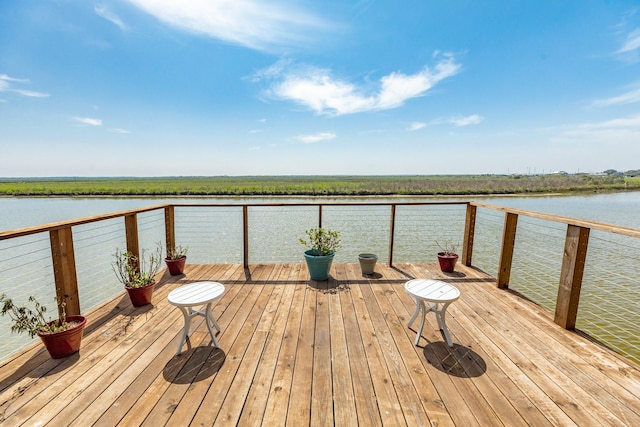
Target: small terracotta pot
(142, 295)
(175, 266)
(65, 343)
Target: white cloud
(105, 13)
(6, 85)
(88, 121)
(257, 24)
(317, 137)
(317, 90)
(625, 130)
(415, 126)
(4, 78)
(31, 93)
(473, 119)
(114, 130)
(626, 98)
(620, 123)
(631, 43)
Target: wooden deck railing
(568, 285)
(573, 260)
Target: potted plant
(61, 336)
(176, 259)
(138, 275)
(447, 257)
(322, 244)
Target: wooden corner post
(131, 233)
(575, 254)
(169, 228)
(469, 231)
(392, 228)
(64, 270)
(506, 253)
(245, 234)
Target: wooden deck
(295, 352)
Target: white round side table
(440, 294)
(192, 295)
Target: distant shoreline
(313, 186)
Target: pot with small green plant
(176, 259)
(322, 244)
(138, 275)
(61, 336)
(447, 257)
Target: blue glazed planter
(318, 265)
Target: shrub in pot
(176, 259)
(321, 248)
(61, 336)
(138, 275)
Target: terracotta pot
(176, 266)
(65, 343)
(142, 295)
(447, 262)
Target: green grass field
(315, 185)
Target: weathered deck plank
(277, 398)
(297, 352)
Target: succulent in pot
(447, 257)
(176, 259)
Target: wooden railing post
(131, 232)
(169, 228)
(245, 235)
(64, 270)
(392, 228)
(573, 259)
(506, 253)
(469, 232)
(319, 216)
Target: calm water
(616, 208)
(363, 231)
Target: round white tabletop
(432, 290)
(440, 294)
(196, 294)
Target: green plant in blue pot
(322, 244)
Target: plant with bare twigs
(136, 273)
(448, 249)
(34, 321)
(177, 252)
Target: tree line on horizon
(318, 185)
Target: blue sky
(291, 87)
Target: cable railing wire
(609, 300)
